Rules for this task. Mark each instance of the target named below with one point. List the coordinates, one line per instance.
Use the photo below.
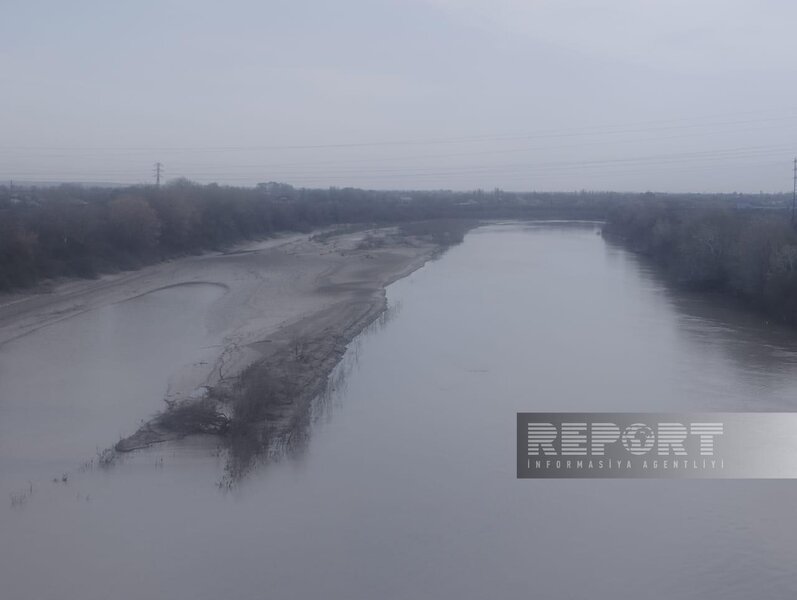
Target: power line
(357, 167)
(630, 128)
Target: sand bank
(297, 294)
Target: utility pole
(159, 168)
(794, 193)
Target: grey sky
(668, 95)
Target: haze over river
(403, 483)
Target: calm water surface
(403, 484)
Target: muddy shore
(261, 387)
(290, 307)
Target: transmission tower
(158, 170)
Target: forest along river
(403, 485)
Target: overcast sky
(671, 95)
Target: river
(402, 483)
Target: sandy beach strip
(315, 290)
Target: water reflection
(762, 353)
(259, 446)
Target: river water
(402, 483)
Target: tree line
(751, 254)
(79, 231)
(76, 231)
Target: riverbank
(333, 287)
(290, 307)
(747, 255)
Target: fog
(544, 95)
